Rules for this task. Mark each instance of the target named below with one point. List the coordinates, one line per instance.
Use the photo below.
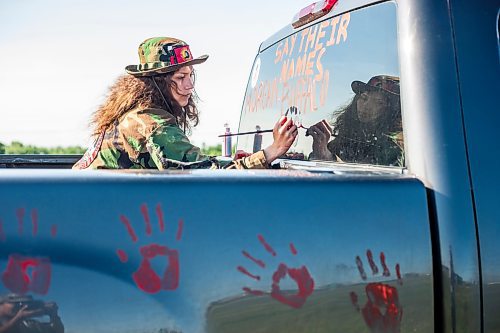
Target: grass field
(326, 310)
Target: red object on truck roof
(312, 12)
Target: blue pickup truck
(368, 224)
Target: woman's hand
(284, 133)
(22, 313)
(240, 154)
(321, 133)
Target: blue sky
(59, 57)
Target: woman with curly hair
(144, 120)
(368, 130)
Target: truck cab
(381, 217)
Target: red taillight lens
(312, 12)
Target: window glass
(339, 80)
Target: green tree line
(18, 148)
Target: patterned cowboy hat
(159, 55)
(385, 83)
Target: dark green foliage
(18, 148)
(211, 150)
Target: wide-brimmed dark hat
(159, 55)
(389, 84)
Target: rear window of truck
(339, 80)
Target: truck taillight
(312, 12)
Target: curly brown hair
(129, 92)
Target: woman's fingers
(286, 132)
(281, 125)
(320, 130)
(280, 122)
(293, 131)
(22, 311)
(316, 131)
(284, 135)
(294, 134)
(325, 127)
(286, 124)
(312, 131)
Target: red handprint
(24, 273)
(382, 311)
(300, 276)
(145, 277)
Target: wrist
(321, 153)
(271, 153)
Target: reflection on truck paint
(300, 276)
(382, 311)
(27, 273)
(145, 277)
(24, 274)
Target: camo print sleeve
(170, 148)
(168, 144)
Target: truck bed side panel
(254, 252)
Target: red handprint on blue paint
(23, 273)
(301, 277)
(145, 276)
(382, 311)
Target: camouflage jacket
(151, 139)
